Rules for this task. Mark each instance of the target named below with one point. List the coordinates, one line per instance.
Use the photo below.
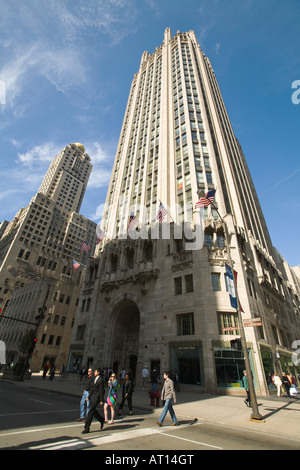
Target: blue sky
(65, 73)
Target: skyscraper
(157, 299)
(36, 252)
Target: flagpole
(255, 412)
(168, 213)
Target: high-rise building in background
(37, 249)
(154, 298)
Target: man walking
(167, 395)
(145, 374)
(84, 402)
(96, 396)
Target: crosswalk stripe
(81, 443)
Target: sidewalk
(281, 416)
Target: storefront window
(268, 364)
(186, 359)
(229, 367)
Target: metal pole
(255, 413)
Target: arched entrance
(125, 336)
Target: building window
(80, 333)
(51, 338)
(208, 237)
(228, 323)
(178, 285)
(185, 324)
(220, 239)
(229, 367)
(215, 280)
(189, 286)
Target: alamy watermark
(2, 353)
(2, 92)
(141, 224)
(296, 94)
(296, 354)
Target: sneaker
(159, 423)
(85, 431)
(175, 424)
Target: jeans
(168, 407)
(84, 403)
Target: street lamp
(255, 413)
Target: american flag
(132, 222)
(100, 235)
(162, 211)
(85, 246)
(206, 200)
(75, 264)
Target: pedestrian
(122, 376)
(82, 374)
(45, 370)
(96, 396)
(111, 399)
(247, 400)
(167, 395)
(286, 383)
(154, 378)
(126, 395)
(62, 371)
(145, 374)
(52, 372)
(277, 382)
(84, 402)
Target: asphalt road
(40, 420)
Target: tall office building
(36, 252)
(154, 297)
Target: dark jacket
(127, 388)
(89, 383)
(97, 391)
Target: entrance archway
(125, 335)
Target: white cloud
(50, 42)
(97, 153)
(99, 178)
(39, 154)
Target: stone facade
(157, 301)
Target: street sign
(252, 322)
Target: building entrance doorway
(125, 336)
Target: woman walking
(126, 395)
(111, 399)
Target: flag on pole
(132, 222)
(231, 286)
(75, 264)
(100, 235)
(206, 200)
(162, 212)
(235, 280)
(85, 247)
